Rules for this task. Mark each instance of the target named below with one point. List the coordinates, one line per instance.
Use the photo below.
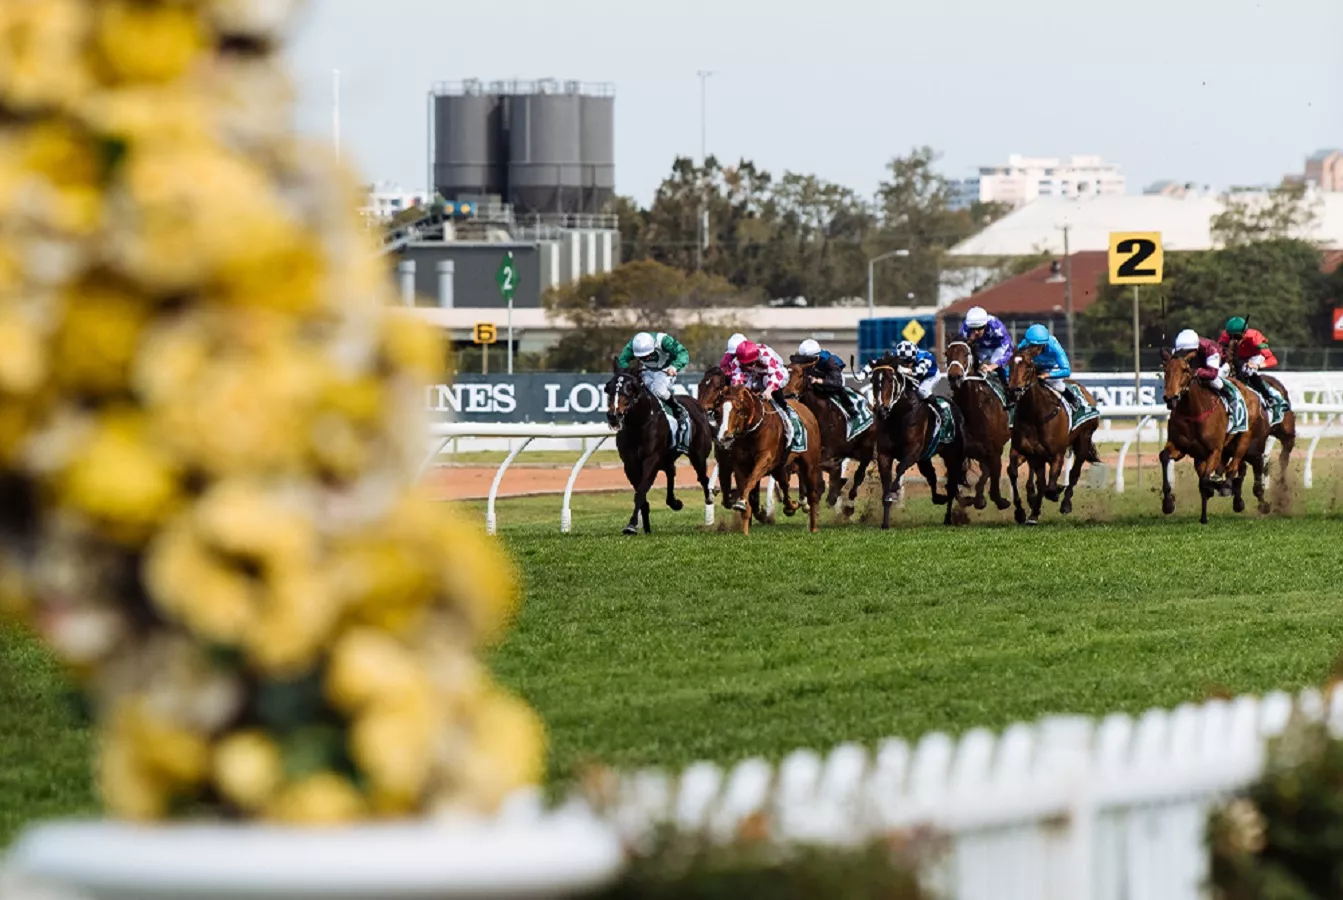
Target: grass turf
(690, 645)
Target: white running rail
(441, 434)
(1065, 809)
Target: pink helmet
(747, 352)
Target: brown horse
(711, 388)
(644, 440)
(835, 445)
(987, 425)
(1284, 431)
(1042, 434)
(1197, 429)
(904, 430)
(752, 433)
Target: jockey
(827, 375)
(1051, 364)
(1206, 358)
(919, 363)
(661, 356)
(1249, 351)
(762, 369)
(989, 339)
(728, 364)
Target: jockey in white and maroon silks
(1205, 357)
(728, 364)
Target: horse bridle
(897, 390)
(727, 439)
(1189, 382)
(617, 390)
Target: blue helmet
(1037, 335)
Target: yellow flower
(367, 665)
(97, 338)
(299, 612)
(322, 799)
(128, 788)
(121, 479)
(245, 518)
(23, 358)
(161, 748)
(145, 115)
(69, 163)
(479, 575)
(248, 769)
(414, 345)
(507, 750)
(148, 41)
(195, 586)
(41, 53)
(383, 582)
(392, 742)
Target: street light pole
(701, 232)
(871, 265)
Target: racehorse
(835, 445)
(751, 431)
(904, 430)
(1042, 434)
(1284, 431)
(645, 441)
(1197, 429)
(987, 425)
(711, 388)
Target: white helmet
(644, 344)
(977, 317)
(1186, 340)
(809, 348)
(733, 341)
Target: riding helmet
(1235, 326)
(747, 352)
(1037, 334)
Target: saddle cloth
(859, 423)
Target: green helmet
(1235, 326)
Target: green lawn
(691, 644)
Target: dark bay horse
(904, 430)
(1042, 434)
(752, 433)
(1197, 429)
(644, 439)
(987, 425)
(835, 445)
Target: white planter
(536, 856)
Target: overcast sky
(1220, 92)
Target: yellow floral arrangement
(210, 417)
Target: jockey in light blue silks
(990, 340)
(1051, 364)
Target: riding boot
(846, 404)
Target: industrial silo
(599, 149)
(469, 157)
(545, 172)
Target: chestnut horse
(1042, 434)
(1284, 431)
(711, 388)
(987, 425)
(1197, 429)
(751, 431)
(904, 430)
(644, 440)
(835, 445)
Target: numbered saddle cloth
(1081, 410)
(857, 424)
(798, 442)
(678, 425)
(1275, 404)
(1237, 413)
(944, 425)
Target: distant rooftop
(477, 87)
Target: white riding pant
(1056, 384)
(1217, 382)
(924, 388)
(659, 384)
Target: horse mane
(1031, 352)
(713, 370)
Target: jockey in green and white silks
(662, 357)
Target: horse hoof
(1031, 522)
(675, 504)
(1265, 508)
(1238, 505)
(1021, 517)
(739, 506)
(1002, 504)
(982, 504)
(1066, 507)
(630, 529)
(939, 499)
(1053, 496)
(1168, 505)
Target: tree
(1283, 212)
(607, 309)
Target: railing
(1066, 809)
(443, 433)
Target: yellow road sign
(484, 333)
(1136, 257)
(913, 332)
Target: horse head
(1022, 374)
(797, 375)
(960, 362)
(711, 387)
(737, 408)
(888, 383)
(1179, 375)
(622, 391)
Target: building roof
(1184, 222)
(1032, 294)
(1322, 155)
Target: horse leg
(995, 472)
(836, 481)
(750, 484)
(782, 476)
(647, 477)
(1035, 489)
(1079, 458)
(1259, 462)
(1287, 440)
(1052, 491)
(1013, 470)
(955, 472)
(810, 473)
(701, 466)
(859, 475)
(927, 470)
(634, 474)
(980, 502)
(672, 503)
(887, 493)
(1167, 458)
(1206, 488)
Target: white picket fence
(1315, 420)
(1066, 809)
